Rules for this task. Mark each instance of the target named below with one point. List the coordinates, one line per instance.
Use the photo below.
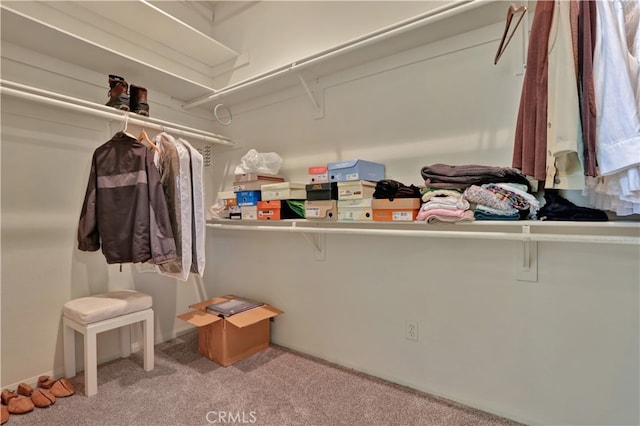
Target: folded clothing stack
(461, 177)
(444, 205)
(502, 201)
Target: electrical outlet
(411, 330)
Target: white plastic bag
(218, 211)
(256, 162)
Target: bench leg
(148, 339)
(125, 341)
(69, 347)
(90, 364)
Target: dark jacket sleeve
(88, 235)
(163, 244)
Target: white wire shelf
(620, 232)
(37, 95)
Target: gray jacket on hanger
(125, 209)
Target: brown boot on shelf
(138, 100)
(118, 93)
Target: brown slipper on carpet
(46, 382)
(62, 388)
(20, 405)
(42, 398)
(5, 415)
(25, 389)
(7, 395)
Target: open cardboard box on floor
(226, 340)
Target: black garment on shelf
(390, 189)
(559, 208)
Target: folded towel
(428, 194)
(423, 215)
(447, 202)
(480, 215)
(436, 218)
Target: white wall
(563, 350)
(46, 155)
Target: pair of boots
(127, 99)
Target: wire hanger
(144, 137)
(513, 10)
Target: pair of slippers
(26, 398)
(59, 388)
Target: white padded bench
(102, 312)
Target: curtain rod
(67, 102)
(381, 34)
(602, 239)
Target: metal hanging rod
(67, 102)
(414, 22)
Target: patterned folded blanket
(479, 195)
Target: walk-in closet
(526, 321)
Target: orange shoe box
(269, 210)
(276, 210)
(396, 210)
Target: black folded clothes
(463, 176)
(559, 208)
(388, 188)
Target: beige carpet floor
(274, 387)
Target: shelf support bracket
(317, 100)
(317, 242)
(527, 263)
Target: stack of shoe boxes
(356, 184)
(230, 202)
(338, 191)
(321, 200)
(284, 200)
(247, 188)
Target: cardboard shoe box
(322, 191)
(280, 209)
(248, 198)
(250, 185)
(249, 212)
(228, 198)
(318, 174)
(284, 191)
(235, 212)
(228, 339)
(321, 210)
(355, 209)
(355, 190)
(355, 170)
(249, 177)
(396, 210)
